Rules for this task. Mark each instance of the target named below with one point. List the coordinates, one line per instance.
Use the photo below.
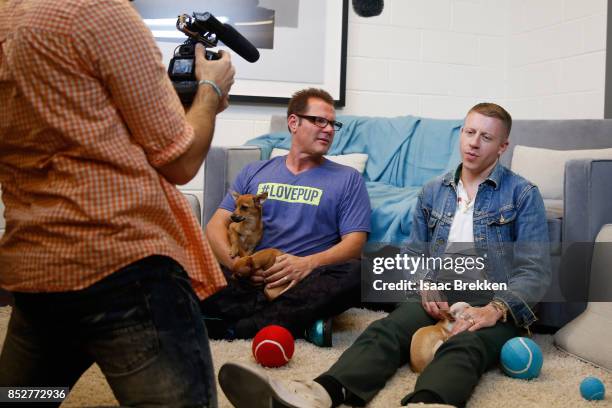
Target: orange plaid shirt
(87, 114)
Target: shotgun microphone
(226, 33)
(368, 8)
(205, 29)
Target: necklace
(465, 204)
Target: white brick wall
(447, 48)
(436, 58)
(557, 52)
(538, 57)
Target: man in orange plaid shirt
(104, 257)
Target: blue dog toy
(521, 358)
(592, 389)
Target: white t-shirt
(462, 228)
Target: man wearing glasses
(317, 212)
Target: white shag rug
(556, 387)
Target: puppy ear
(448, 316)
(262, 197)
(235, 195)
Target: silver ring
(286, 278)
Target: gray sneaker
(247, 387)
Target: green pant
(364, 368)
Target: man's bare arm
(216, 233)
(349, 247)
(296, 268)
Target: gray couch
(578, 217)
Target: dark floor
(5, 298)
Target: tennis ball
(521, 358)
(592, 389)
(273, 346)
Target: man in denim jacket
(502, 217)
(508, 224)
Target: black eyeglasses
(321, 122)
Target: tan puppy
(427, 340)
(263, 259)
(246, 229)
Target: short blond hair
(493, 110)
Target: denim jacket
(510, 230)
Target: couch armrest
(587, 207)
(195, 205)
(221, 167)
(587, 199)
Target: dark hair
(299, 100)
(493, 110)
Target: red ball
(273, 346)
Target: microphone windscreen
(241, 46)
(368, 8)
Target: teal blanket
(403, 154)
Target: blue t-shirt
(305, 213)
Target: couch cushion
(355, 160)
(588, 336)
(554, 218)
(546, 168)
(554, 208)
(561, 134)
(555, 226)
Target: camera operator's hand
(221, 72)
(202, 114)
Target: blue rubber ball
(592, 389)
(521, 358)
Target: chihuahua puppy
(246, 229)
(427, 340)
(263, 259)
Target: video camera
(203, 28)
